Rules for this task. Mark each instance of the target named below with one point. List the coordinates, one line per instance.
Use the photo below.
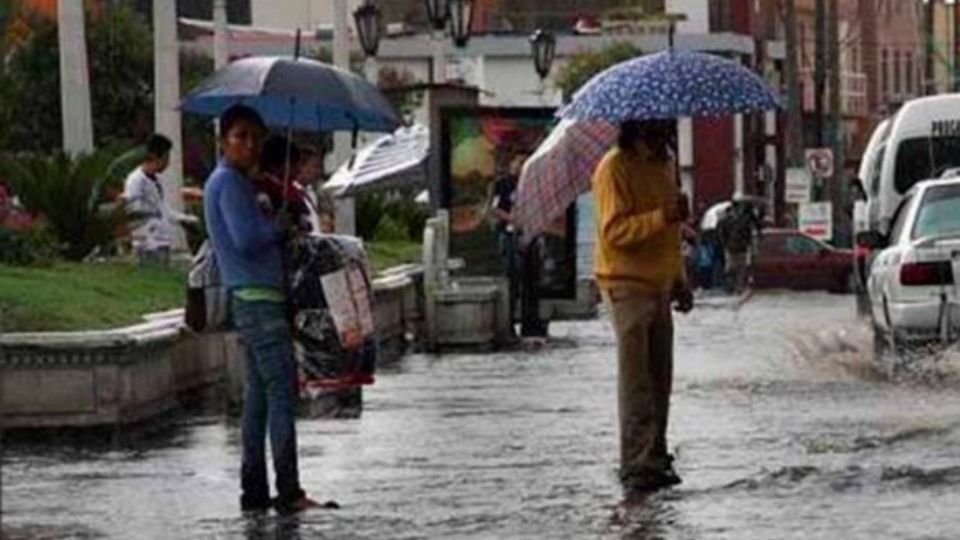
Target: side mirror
(872, 240)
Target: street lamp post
(367, 19)
(459, 14)
(461, 21)
(543, 45)
(438, 12)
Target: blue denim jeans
(269, 401)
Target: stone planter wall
(123, 376)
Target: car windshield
(923, 158)
(939, 213)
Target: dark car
(790, 259)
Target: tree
(583, 66)
(395, 85)
(121, 80)
(30, 91)
(120, 47)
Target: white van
(865, 211)
(869, 175)
(923, 142)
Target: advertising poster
(482, 148)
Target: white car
(913, 283)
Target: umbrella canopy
(295, 93)
(665, 85)
(559, 171)
(711, 218)
(392, 161)
(671, 84)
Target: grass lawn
(386, 253)
(69, 296)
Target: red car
(790, 259)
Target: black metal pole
(296, 46)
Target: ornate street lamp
(544, 47)
(367, 18)
(438, 12)
(461, 21)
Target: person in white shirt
(153, 220)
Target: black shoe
(651, 480)
(255, 506)
(670, 477)
(303, 504)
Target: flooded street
(782, 426)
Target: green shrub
(70, 193)
(404, 212)
(370, 210)
(584, 65)
(34, 247)
(390, 229)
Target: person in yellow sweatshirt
(639, 268)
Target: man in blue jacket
(249, 250)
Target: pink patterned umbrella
(559, 172)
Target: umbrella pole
(286, 161)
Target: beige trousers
(644, 327)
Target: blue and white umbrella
(671, 84)
(295, 93)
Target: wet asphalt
(783, 425)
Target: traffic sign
(820, 162)
(816, 219)
(798, 185)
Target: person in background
(249, 247)
(534, 272)
(278, 184)
(504, 193)
(639, 268)
(736, 230)
(153, 232)
(320, 203)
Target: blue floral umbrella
(671, 85)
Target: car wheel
(881, 344)
(887, 351)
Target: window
(923, 158)
(801, 245)
(885, 73)
(773, 245)
(910, 75)
(804, 61)
(939, 213)
(897, 75)
(899, 217)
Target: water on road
(781, 423)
